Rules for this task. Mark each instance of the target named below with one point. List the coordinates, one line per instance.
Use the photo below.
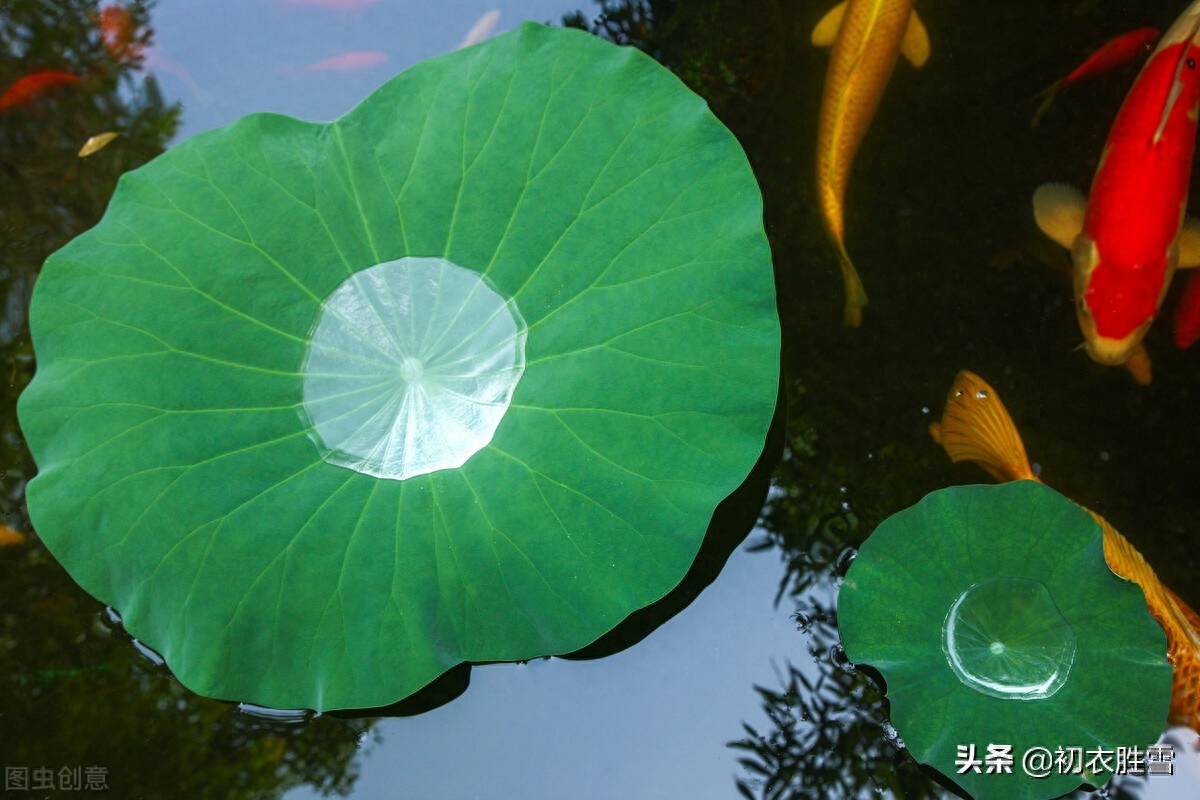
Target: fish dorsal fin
(1189, 244)
(827, 29)
(1180, 622)
(1059, 210)
(976, 427)
(916, 41)
(1138, 365)
(1185, 699)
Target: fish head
(1115, 306)
(1186, 28)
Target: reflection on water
(75, 692)
(993, 648)
(938, 209)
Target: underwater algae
(324, 410)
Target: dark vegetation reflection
(74, 692)
(939, 223)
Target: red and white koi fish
(1128, 237)
(1112, 54)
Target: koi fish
(1128, 237)
(1187, 313)
(867, 38)
(976, 427)
(349, 62)
(10, 537)
(1114, 53)
(334, 5)
(482, 30)
(118, 33)
(95, 144)
(28, 88)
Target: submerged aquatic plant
(995, 622)
(325, 410)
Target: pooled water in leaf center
(1006, 638)
(410, 366)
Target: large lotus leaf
(325, 409)
(995, 620)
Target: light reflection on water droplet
(150, 655)
(282, 716)
(837, 657)
(844, 560)
(892, 736)
(1005, 637)
(410, 366)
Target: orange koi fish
(1111, 55)
(867, 38)
(1128, 237)
(10, 537)
(118, 33)
(28, 88)
(976, 427)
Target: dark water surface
(940, 226)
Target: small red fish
(29, 87)
(118, 33)
(1112, 54)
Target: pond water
(939, 223)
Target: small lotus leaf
(995, 621)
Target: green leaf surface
(182, 363)
(1034, 563)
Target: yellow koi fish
(976, 427)
(867, 38)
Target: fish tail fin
(1186, 327)
(856, 295)
(1138, 365)
(1181, 623)
(1047, 97)
(976, 427)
